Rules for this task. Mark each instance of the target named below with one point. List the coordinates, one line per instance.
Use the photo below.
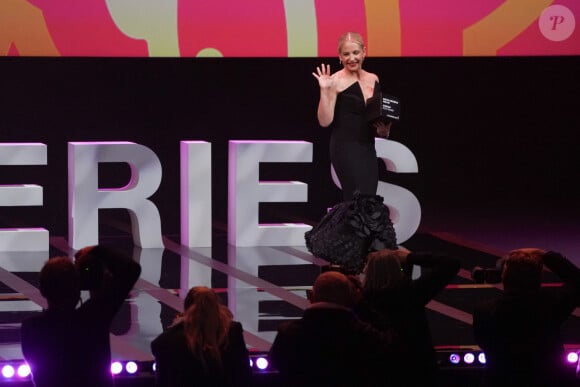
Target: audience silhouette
(393, 301)
(369, 332)
(69, 346)
(204, 347)
(519, 330)
(329, 345)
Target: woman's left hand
(383, 129)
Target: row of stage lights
(22, 370)
(474, 358)
(260, 364)
(19, 370)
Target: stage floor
(266, 285)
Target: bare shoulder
(341, 81)
(369, 82)
(371, 77)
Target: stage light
(262, 363)
(572, 357)
(469, 358)
(154, 367)
(481, 358)
(259, 363)
(131, 367)
(116, 368)
(23, 370)
(8, 371)
(454, 358)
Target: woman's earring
(340, 62)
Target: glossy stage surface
(266, 285)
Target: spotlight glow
(131, 367)
(8, 371)
(116, 368)
(154, 366)
(572, 357)
(481, 358)
(23, 370)
(454, 358)
(262, 363)
(251, 363)
(469, 358)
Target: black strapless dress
(352, 143)
(361, 223)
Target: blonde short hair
(354, 37)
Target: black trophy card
(383, 107)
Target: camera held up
(91, 267)
(490, 275)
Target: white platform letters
(245, 192)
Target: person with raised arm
(519, 330)
(342, 108)
(66, 345)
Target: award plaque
(383, 107)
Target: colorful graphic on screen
(287, 28)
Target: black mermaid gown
(352, 143)
(361, 223)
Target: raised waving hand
(322, 74)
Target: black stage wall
(485, 131)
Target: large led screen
(287, 28)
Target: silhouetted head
(522, 271)
(206, 323)
(190, 297)
(334, 287)
(383, 271)
(59, 283)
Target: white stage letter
(245, 192)
(403, 205)
(196, 214)
(85, 197)
(24, 239)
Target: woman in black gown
(342, 106)
(361, 223)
